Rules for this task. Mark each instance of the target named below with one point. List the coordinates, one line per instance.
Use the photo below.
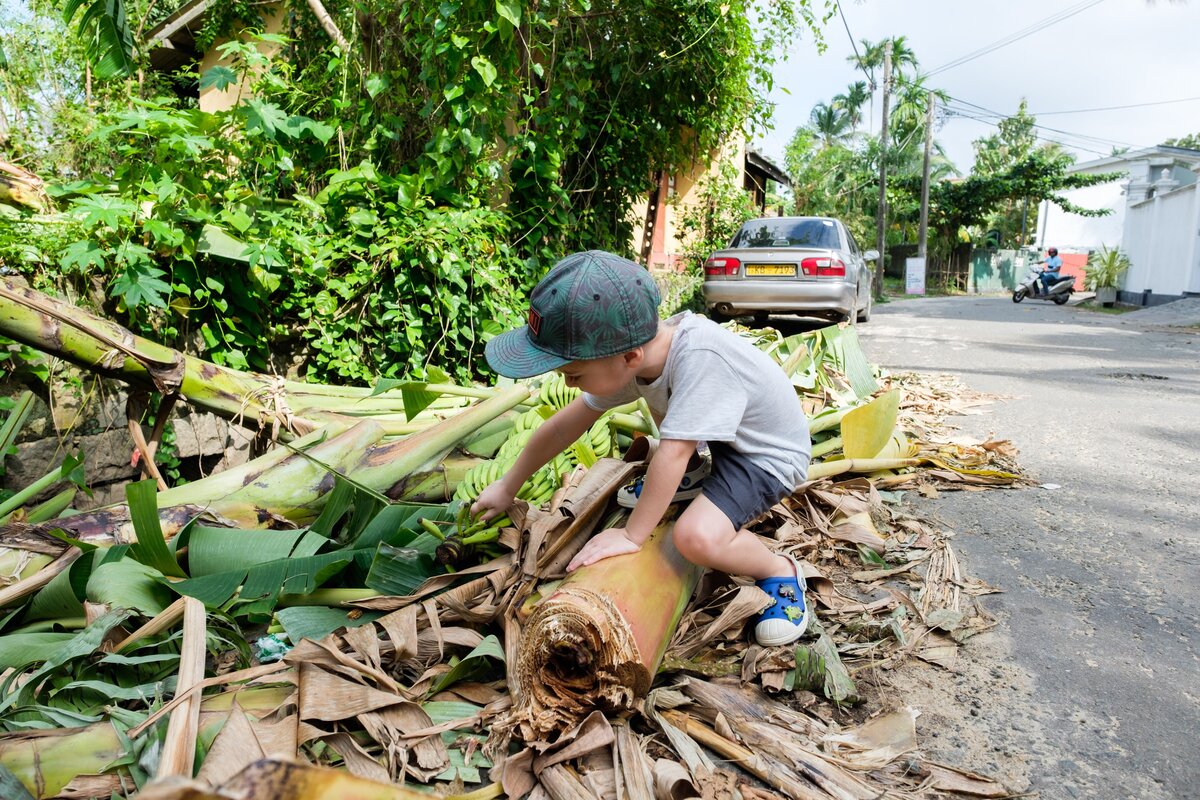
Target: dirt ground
(1089, 685)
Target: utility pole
(923, 230)
(881, 213)
(1024, 218)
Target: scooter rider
(1050, 272)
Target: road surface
(1090, 685)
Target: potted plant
(1104, 270)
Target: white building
(1155, 220)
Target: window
(850, 243)
(787, 233)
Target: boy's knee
(694, 541)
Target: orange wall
(1075, 264)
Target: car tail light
(824, 267)
(722, 266)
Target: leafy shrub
(681, 291)
(1105, 268)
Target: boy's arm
(662, 479)
(549, 439)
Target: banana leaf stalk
(828, 469)
(297, 486)
(99, 345)
(14, 422)
(597, 641)
(83, 761)
(31, 491)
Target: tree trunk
(329, 25)
(597, 641)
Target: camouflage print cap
(590, 305)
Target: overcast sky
(1110, 53)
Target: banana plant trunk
(68, 332)
(598, 640)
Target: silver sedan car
(809, 266)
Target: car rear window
(787, 233)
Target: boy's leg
(705, 536)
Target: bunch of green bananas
(601, 438)
(478, 478)
(513, 445)
(555, 393)
(529, 420)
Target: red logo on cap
(535, 322)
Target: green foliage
(390, 207)
(1191, 141)
(1015, 139)
(721, 206)
(835, 169)
(680, 291)
(1105, 268)
(104, 29)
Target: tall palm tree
(871, 57)
(852, 101)
(830, 123)
(911, 103)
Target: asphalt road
(1090, 684)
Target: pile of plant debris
(330, 604)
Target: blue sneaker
(786, 618)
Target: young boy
(594, 318)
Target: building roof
(758, 163)
(1160, 155)
(171, 42)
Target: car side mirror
(871, 255)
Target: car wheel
(865, 314)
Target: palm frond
(104, 28)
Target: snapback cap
(590, 305)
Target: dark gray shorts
(741, 489)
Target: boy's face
(603, 376)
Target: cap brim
(514, 356)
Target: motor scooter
(1031, 286)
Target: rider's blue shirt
(1053, 264)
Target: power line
(1041, 137)
(1117, 108)
(1053, 19)
(1083, 136)
(857, 58)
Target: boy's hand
(493, 501)
(606, 544)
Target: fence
(1001, 270)
(1162, 240)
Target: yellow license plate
(779, 270)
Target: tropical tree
(910, 104)
(1014, 141)
(1191, 141)
(852, 101)
(872, 55)
(830, 123)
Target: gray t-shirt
(718, 387)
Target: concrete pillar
(1192, 285)
(1140, 181)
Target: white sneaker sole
(776, 632)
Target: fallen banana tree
(596, 641)
(395, 669)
